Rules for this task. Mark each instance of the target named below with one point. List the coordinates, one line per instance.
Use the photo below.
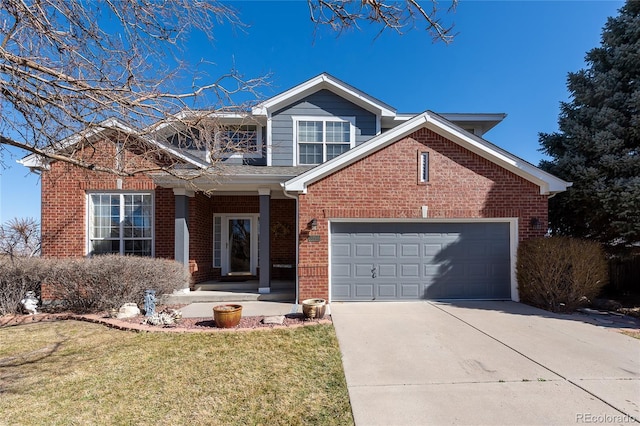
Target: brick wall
(283, 238)
(64, 188)
(201, 238)
(386, 185)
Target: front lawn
(72, 372)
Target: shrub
(106, 282)
(16, 278)
(558, 273)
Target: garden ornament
(149, 302)
(30, 303)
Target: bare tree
(20, 237)
(341, 15)
(71, 70)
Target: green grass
(75, 373)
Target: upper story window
(238, 139)
(319, 139)
(221, 140)
(120, 223)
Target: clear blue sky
(508, 56)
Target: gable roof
(329, 82)
(103, 130)
(548, 183)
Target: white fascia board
(177, 153)
(35, 161)
(548, 183)
(325, 81)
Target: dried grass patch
(71, 372)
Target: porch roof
(229, 178)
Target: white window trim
(298, 118)
(224, 231)
(256, 154)
(89, 218)
(423, 167)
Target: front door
(239, 246)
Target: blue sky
(508, 56)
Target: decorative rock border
(135, 324)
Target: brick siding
(385, 184)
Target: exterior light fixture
(313, 224)
(535, 223)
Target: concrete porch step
(199, 296)
(247, 287)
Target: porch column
(181, 239)
(264, 247)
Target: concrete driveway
(426, 363)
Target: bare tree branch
(67, 66)
(20, 237)
(341, 15)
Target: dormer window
(319, 139)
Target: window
(237, 139)
(321, 139)
(121, 224)
(423, 168)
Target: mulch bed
(185, 325)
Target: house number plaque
(313, 238)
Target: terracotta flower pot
(227, 316)
(314, 308)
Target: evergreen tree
(598, 145)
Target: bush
(106, 282)
(16, 278)
(559, 273)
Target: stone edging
(14, 320)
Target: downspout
(295, 197)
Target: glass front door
(239, 246)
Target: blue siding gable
(322, 103)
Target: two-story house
(332, 189)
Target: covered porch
(237, 234)
(224, 291)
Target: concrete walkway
(420, 363)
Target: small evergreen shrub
(109, 281)
(560, 273)
(16, 278)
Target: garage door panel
(363, 270)
(341, 270)
(387, 250)
(410, 250)
(341, 250)
(387, 261)
(410, 270)
(479, 270)
(364, 291)
(410, 290)
(387, 291)
(341, 291)
(431, 249)
(387, 270)
(363, 250)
